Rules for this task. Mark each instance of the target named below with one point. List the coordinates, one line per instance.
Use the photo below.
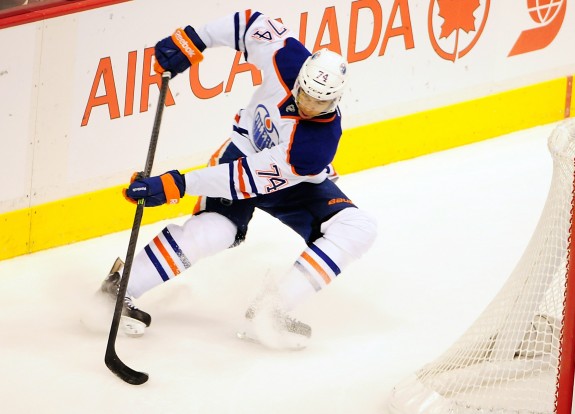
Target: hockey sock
(176, 248)
(346, 236)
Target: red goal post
(566, 374)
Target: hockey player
(278, 159)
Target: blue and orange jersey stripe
(241, 182)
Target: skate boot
(134, 320)
(274, 328)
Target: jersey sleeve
(261, 173)
(226, 31)
(249, 32)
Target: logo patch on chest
(264, 132)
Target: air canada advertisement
(83, 112)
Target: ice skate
(134, 320)
(274, 328)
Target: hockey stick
(113, 362)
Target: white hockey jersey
(281, 148)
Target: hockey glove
(155, 191)
(179, 51)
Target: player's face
(309, 107)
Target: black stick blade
(123, 371)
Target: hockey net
(517, 357)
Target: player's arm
(262, 173)
(230, 30)
(249, 32)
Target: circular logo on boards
(455, 26)
(544, 11)
(548, 16)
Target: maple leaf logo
(448, 16)
(457, 15)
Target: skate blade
(245, 337)
(294, 346)
(117, 266)
(132, 327)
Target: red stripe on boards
(41, 11)
(568, 96)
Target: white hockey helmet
(323, 77)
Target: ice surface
(452, 226)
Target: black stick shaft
(111, 358)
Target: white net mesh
(507, 361)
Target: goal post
(565, 377)
(518, 357)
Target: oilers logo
(264, 131)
